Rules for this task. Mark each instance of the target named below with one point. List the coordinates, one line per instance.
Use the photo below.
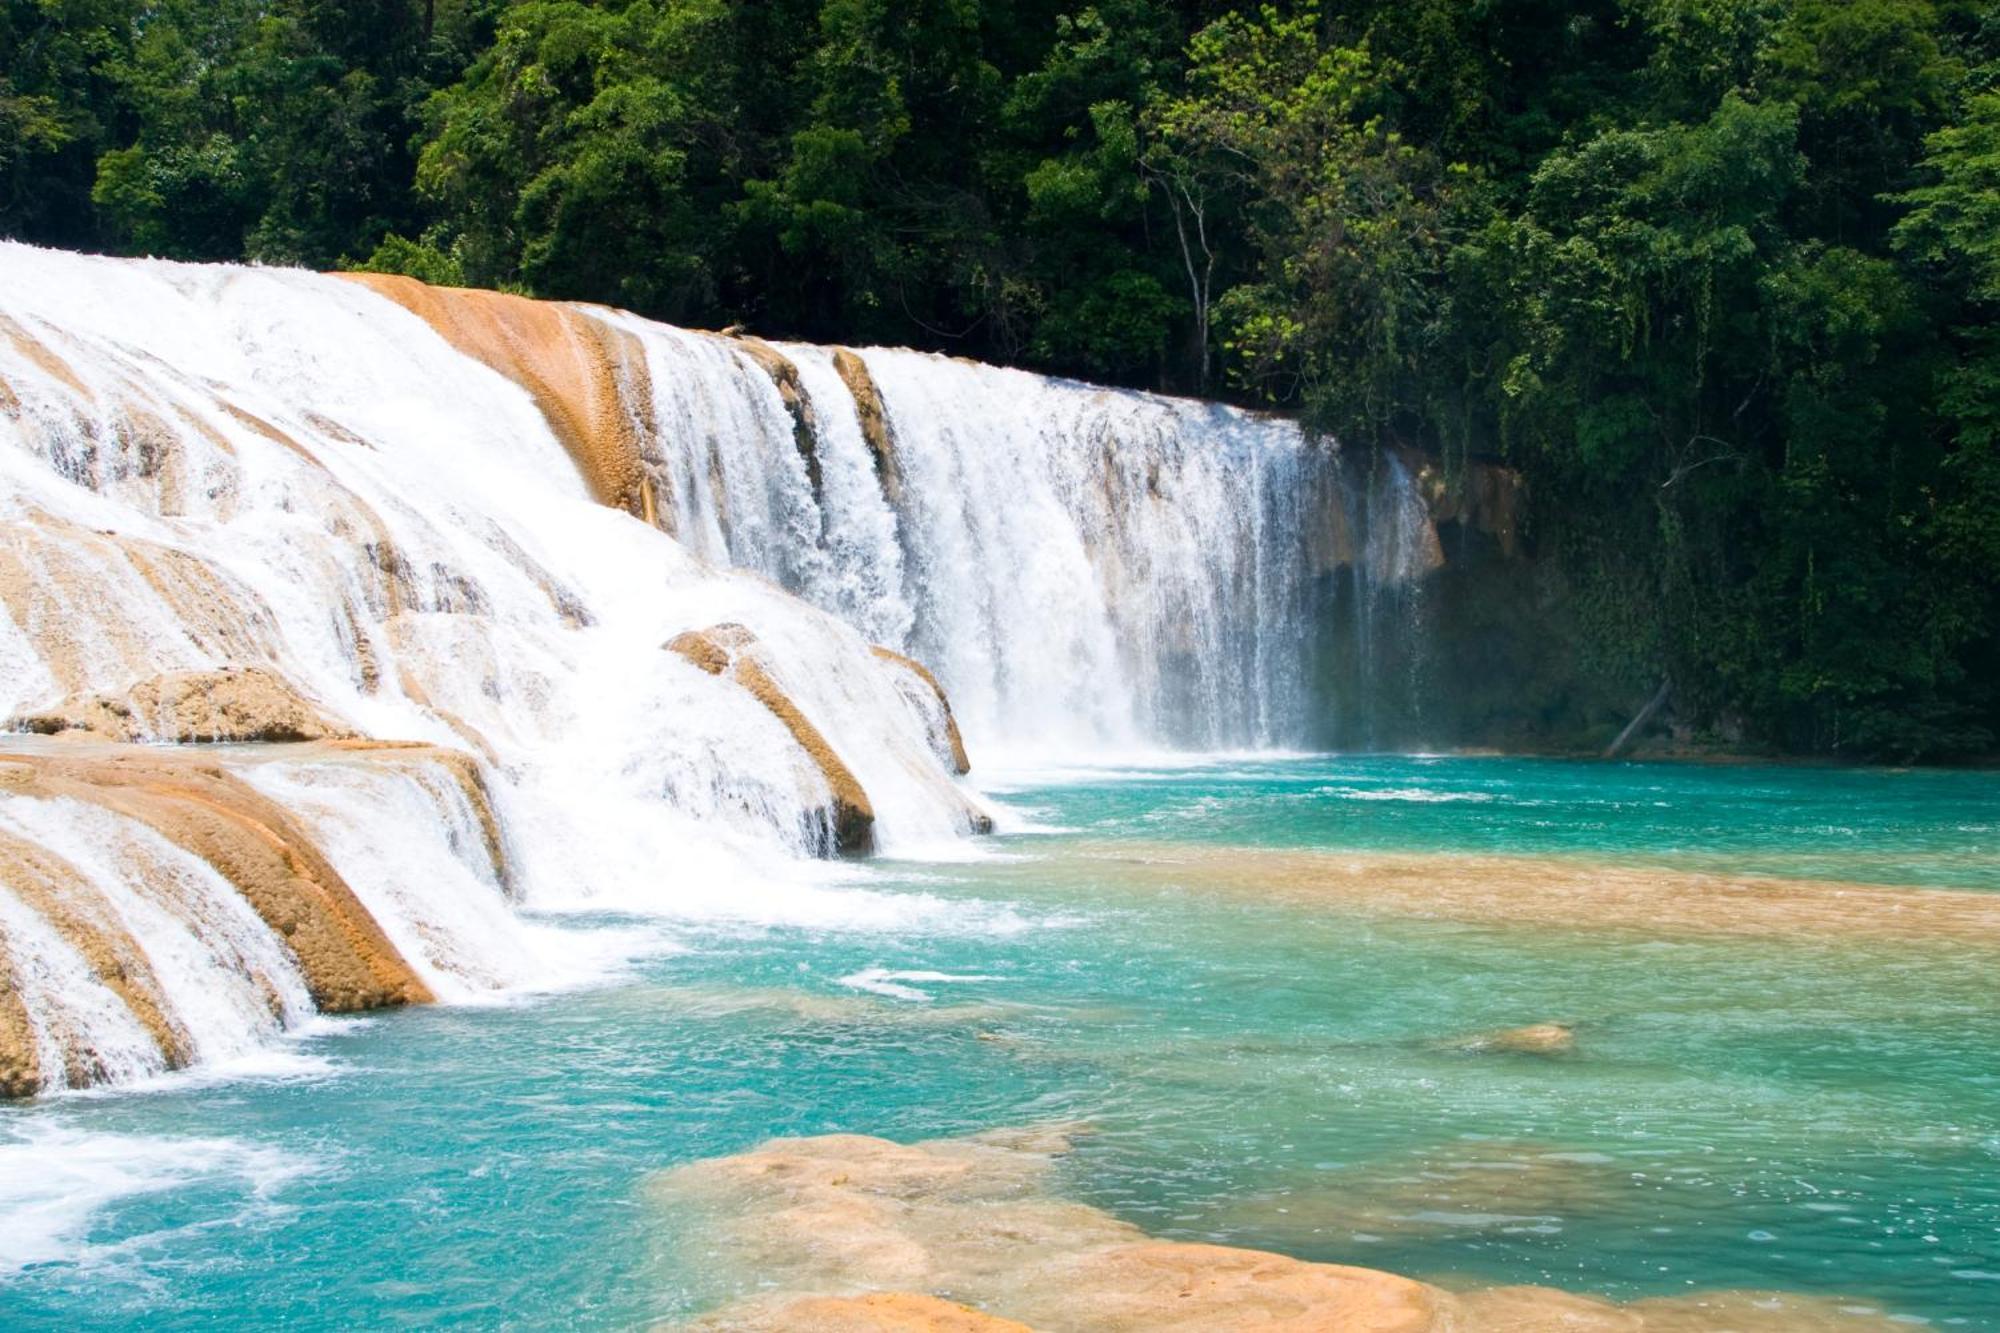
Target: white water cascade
(208, 469)
(1084, 568)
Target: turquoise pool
(1813, 1110)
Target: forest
(1717, 277)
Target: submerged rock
(1535, 1039)
(974, 1217)
(872, 1312)
(858, 1233)
(1484, 1188)
(1566, 894)
(230, 705)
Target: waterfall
(1084, 568)
(554, 607)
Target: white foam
(884, 981)
(1408, 795)
(55, 1179)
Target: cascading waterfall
(272, 506)
(1083, 567)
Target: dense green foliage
(1719, 276)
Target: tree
(58, 104)
(1276, 138)
(582, 153)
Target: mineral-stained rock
(798, 403)
(953, 743)
(732, 651)
(871, 1312)
(974, 1217)
(847, 1234)
(588, 377)
(1485, 497)
(194, 803)
(874, 418)
(59, 894)
(20, 1059)
(469, 776)
(230, 705)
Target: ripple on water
(55, 1180)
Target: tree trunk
(1638, 724)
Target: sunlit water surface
(1815, 1112)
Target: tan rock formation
(1166, 1285)
(413, 689)
(1540, 1310)
(20, 1059)
(196, 804)
(1485, 497)
(872, 1312)
(59, 894)
(864, 1234)
(465, 772)
(733, 651)
(1535, 1039)
(953, 743)
(874, 417)
(588, 378)
(74, 590)
(798, 403)
(43, 358)
(1559, 893)
(230, 705)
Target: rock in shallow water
(1535, 1039)
(858, 1233)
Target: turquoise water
(1819, 1112)
(1920, 826)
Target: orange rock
(195, 803)
(872, 1312)
(588, 377)
(733, 651)
(874, 418)
(954, 744)
(250, 704)
(798, 403)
